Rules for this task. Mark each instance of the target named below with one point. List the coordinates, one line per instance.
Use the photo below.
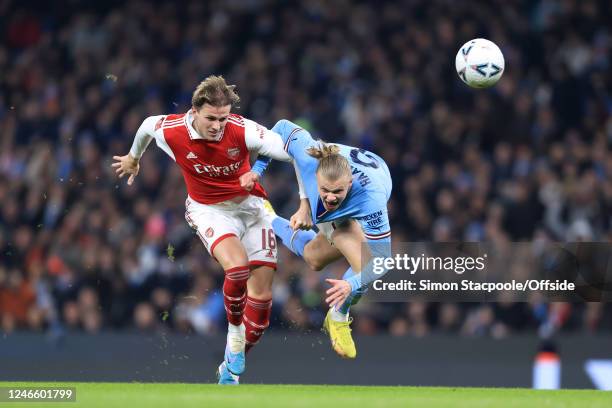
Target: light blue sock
(284, 231)
(354, 297)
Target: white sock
(236, 337)
(233, 329)
(338, 316)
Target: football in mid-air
(479, 63)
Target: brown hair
(216, 92)
(332, 165)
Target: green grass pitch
(149, 395)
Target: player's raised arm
(294, 142)
(294, 146)
(130, 163)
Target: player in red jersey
(212, 147)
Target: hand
(301, 219)
(248, 180)
(126, 165)
(337, 294)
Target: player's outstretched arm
(126, 165)
(129, 165)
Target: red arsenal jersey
(211, 169)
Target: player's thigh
(260, 283)
(349, 239)
(219, 231)
(258, 239)
(230, 253)
(319, 253)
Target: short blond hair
(215, 92)
(332, 165)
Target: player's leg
(314, 248)
(348, 239)
(360, 242)
(233, 258)
(256, 316)
(225, 376)
(319, 253)
(351, 242)
(219, 232)
(295, 241)
(260, 243)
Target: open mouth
(331, 205)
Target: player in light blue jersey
(344, 191)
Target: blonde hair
(215, 92)
(332, 165)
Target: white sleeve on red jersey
(150, 128)
(265, 142)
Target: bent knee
(260, 290)
(314, 262)
(260, 294)
(260, 286)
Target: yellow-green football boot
(340, 336)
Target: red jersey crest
(233, 152)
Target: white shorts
(328, 228)
(245, 220)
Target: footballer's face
(210, 120)
(332, 193)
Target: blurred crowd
(529, 159)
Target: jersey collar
(321, 211)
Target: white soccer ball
(479, 63)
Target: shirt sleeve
(144, 135)
(301, 190)
(260, 165)
(280, 139)
(264, 141)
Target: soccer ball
(479, 63)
